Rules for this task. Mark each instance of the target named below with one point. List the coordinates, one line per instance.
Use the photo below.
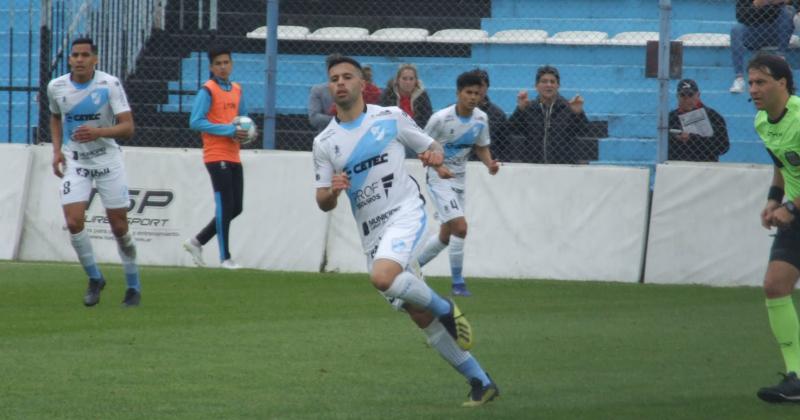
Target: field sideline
(209, 343)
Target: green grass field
(215, 344)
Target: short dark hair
(774, 65)
(216, 51)
(86, 40)
(547, 69)
(483, 74)
(335, 59)
(469, 78)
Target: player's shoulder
(383, 112)
(325, 136)
(444, 113)
(102, 78)
(59, 82)
(479, 115)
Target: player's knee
(459, 228)
(776, 288)
(74, 225)
(381, 280)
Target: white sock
(456, 258)
(432, 248)
(127, 253)
(411, 289)
(439, 339)
(83, 247)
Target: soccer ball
(246, 123)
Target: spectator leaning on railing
(689, 126)
(761, 23)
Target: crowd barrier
(528, 221)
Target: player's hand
(85, 134)
(683, 136)
(576, 104)
(339, 182)
(493, 167)
(443, 172)
(522, 99)
(766, 213)
(781, 218)
(240, 135)
(59, 164)
(431, 158)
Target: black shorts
(786, 246)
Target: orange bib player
(218, 102)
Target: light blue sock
(411, 289)
(439, 305)
(471, 369)
(456, 259)
(127, 253)
(83, 247)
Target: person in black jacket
(760, 23)
(547, 128)
(694, 147)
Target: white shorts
(448, 197)
(401, 242)
(111, 184)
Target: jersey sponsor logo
(367, 195)
(94, 173)
(378, 221)
(82, 117)
(387, 183)
(382, 113)
(367, 163)
(91, 154)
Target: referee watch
(792, 208)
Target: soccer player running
(217, 103)
(89, 110)
(362, 153)
(460, 128)
(778, 124)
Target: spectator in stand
(694, 147)
(320, 107)
(371, 93)
(497, 117)
(407, 92)
(547, 128)
(761, 23)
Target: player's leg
(482, 388)
(75, 191)
(113, 191)
(442, 197)
(388, 274)
(779, 282)
(458, 229)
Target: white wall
(15, 162)
(529, 221)
(705, 226)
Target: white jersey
(94, 103)
(370, 150)
(457, 135)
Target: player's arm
(485, 155)
(327, 197)
(774, 200)
(198, 120)
(123, 129)
(59, 163)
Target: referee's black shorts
(786, 246)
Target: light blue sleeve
(199, 122)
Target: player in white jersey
(460, 128)
(362, 153)
(89, 110)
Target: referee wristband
(775, 193)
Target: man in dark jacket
(684, 145)
(547, 128)
(761, 23)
